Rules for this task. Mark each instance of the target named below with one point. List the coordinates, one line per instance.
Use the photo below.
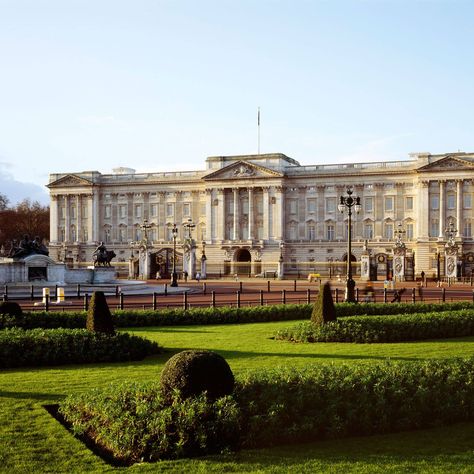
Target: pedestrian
(185, 276)
(198, 276)
(422, 274)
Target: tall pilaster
(162, 229)
(90, 217)
(210, 219)
(220, 222)
(67, 226)
(78, 217)
(279, 213)
(236, 214)
(442, 208)
(422, 211)
(266, 213)
(251, 215)
(459, 223)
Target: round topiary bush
(11, 308)
(193, 372)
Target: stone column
(95, 216)
(442, 207)
(459, 223)
(302, 234)
(162, 229)
(210, 224)
(220, 221)
(251, 215)
(279, 213)
(67, 225)
(422, 210)
(54, 219)
(90, 218)
(320, 203)
(378, 211)
(78, 217)
(266, 212)
(236, 214)
(130, 229)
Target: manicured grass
(30, 440)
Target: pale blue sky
(161, 85)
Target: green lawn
(30, 440)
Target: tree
(26, 217)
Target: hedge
(219, 315)
(38, 347)
(277, 406)
(373, 329)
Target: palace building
(251, 211)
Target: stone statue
(102, 256)
(27, 247)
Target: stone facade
(245, 207)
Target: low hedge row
(37, 347)
(278, 406)
(373, 329)
(220, 315)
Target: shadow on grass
(249, 354)
(31, 395)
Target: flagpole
(258, 125)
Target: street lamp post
(348, 203)
(174, 280)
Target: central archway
(242, 260)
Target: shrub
(37, 347)
(135, 423)
(193, 372)
(272, 407)
(11, 308)
(99, 318)
(323, 309)
(370, 329)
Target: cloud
(16, 191)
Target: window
(369, 204)
(123, 211)
(170, 209)
(73, 212)
(122, 234)
(107, 212)
(388, 231)
(368, 231)
(202, 208)
(85, 235)
(260, 206)
(138, 210)
(293, 206)
(435, 201)
(311, 206)
(409, 203)
(434, 228)
(84, 211)
(153, 233)
(62, 212)
(451, 201)
(154, 210)
(467, 199)
(292, 232)
(245, 206)
(330, 204)
(62, 235)
(73, 233)
(409, 229)
(467, 230)
(388, 204)
(330, 232)
(107, 235)
(311, 232)
(138, 234)
(186, 209)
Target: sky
(160, 85)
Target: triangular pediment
(70, 180)
(243, 170)
(449, 163)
